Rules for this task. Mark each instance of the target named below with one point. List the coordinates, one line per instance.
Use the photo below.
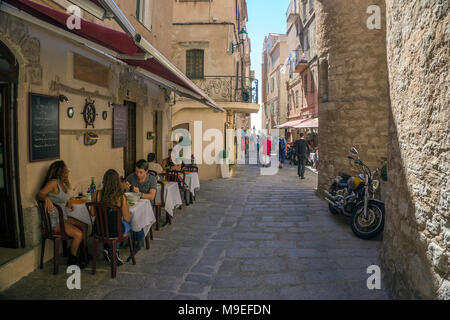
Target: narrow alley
(249, 237)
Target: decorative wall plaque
(89, 113)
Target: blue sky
(264, 17)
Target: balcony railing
(229, 88)
(299, 61)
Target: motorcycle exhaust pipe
(332, 203)
(330, 195)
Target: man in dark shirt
(141, 182)
(145, 185)
(301, 149)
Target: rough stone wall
(357, 111)
(416, 243)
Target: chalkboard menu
(120, 126)
(43, 124)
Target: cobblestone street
(251, 237)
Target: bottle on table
(92, 188)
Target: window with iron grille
(195, 63)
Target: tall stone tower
(416, 243)
(353, 85)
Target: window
(194, 63)
(312, 82)
(297, 98)
(299, 27)
(144, 12)
(304, 10)
(305, 83)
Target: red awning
(310, 123)
(116, 41)
(109, 38)
(153, 66)
(290, 124)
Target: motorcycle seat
(342, 184)
(344, 176)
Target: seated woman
(169, 165)
(55, 190)
(112, 193)
(152, 164)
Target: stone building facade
(207, 44)
(416, 243)
(353, 86)
(275, 75)
(385, 91)
(303, 67)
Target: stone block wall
(416, 243)
(356, 113)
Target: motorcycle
(353, 197)
(291, 155)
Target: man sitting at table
(144, 184)
(168, 164)
(153, 165)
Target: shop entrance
(130, 150)
(9, 197)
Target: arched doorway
(10, 219)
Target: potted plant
(224, 168)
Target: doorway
(11, 227)
(130, 150)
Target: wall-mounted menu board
(120, 126)
(43, 122)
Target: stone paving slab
(250, 237)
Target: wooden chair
(153, 173)
(102, 233)
(180, 177)
(190, 168)
(48, 233)
(158, 205)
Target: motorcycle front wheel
(370, 227)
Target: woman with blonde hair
(112, 193)
(55, 190)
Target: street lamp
(243, 36)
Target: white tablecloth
(192, 181)
(142, 216)
(172, 197)
(81, 213)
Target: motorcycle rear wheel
(370, 227)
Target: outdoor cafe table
(172, 197)
(80, 212)
(192, 181)
(142, 215)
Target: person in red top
(267, 151)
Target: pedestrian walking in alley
(282, 151)
(267, 149)
(301, 150)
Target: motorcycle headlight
(375, 184)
